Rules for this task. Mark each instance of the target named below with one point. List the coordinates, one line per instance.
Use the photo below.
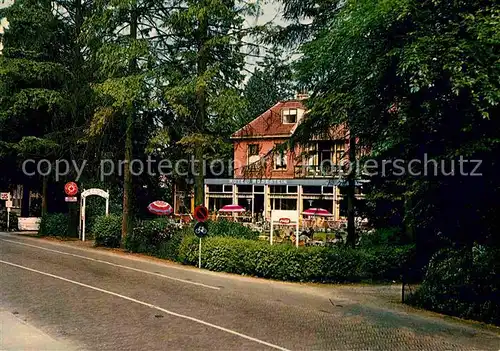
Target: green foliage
(231, 229)
(285, 262)
(108, 231)
(270, 83)
(170, 249)
(381, 236)
(462, 283)
(54, 224)
(13, 222)
(148, 235)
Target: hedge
(231, 229)
(13, 222)
(54, 224)
(462, 283)
(148, 235)
(108, 231)
(305, 264)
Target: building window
(253, 150)
(278, 189)
(280, 159)
(258, 189)
(327, 189)
(292, 189)
(339, 152)
(244, 189)
(215, 188)
(289, 116)
(228, 188)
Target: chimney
(301, 96)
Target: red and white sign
(71, 199)
(284, 221)
(4, 196)
(71, 189)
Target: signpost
(283, 217)
(200, 228)
(8, 203)
(71, 189)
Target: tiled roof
(269, 123)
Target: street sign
(71, 199)
(4, 196)
(71, 189)
(8, 203)
(201, 213)
(284, 220)
(200, 229)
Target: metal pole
(297, 234)
(83, 220)
(8, 219)
(199, 255)
(271, 233)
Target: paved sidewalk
(17, 335)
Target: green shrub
(285, 262)
(231, 229)
(169, 249)
(148, 235)
(462, 283)
(108, 231)
(54, 224)
(381, 237)
(13, 222)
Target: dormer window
(289, 115)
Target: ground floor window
(283, 204)
(216, 203)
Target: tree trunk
(129, 136)
(201, 99)
(25, 205)
(45, 183)
(351, 193)
(408, 225)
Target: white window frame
(286, 112)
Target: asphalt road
(99, 300)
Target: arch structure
(90, 192)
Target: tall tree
(205, 71)
(410, 74)
(34, 86)
(271, 82)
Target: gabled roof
(270, 123)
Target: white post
(272, 229)
(83, 220)
(297, 234)
(107, 204)
(253, 205)
(80, 221)
(199, 255)
(8, 219)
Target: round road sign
(201, 213)
(201, 229)
(71, 189)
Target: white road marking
(115, 265)
(196, 320)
